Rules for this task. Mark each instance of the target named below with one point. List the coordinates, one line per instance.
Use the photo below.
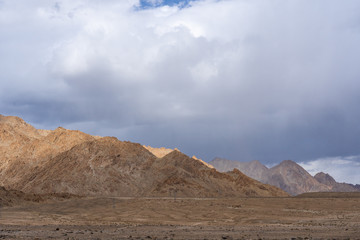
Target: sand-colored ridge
(159, 152)
(203, 162)
(70, 161)
(162, 152)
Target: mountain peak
(329, 181)
(14, 128)
(13, 121)
(324, 178)
(289, 163)
(159, 152)
(4, 118)
(257, 163)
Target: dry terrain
(37, 161)
(160, 193)
(311, 216)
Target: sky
(238, 79)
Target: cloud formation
(342, 169)
(249, 79)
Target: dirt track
(242, 218)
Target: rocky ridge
(161, 152)
(287, 175)
(68, 161)
(334, 186)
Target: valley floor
(310, 217)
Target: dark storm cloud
(267, 80)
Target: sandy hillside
(67, 161)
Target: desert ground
(307, 217)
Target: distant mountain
(287, 175)
(294, 179)
(67, 161)
(326, 179)
(253, 169)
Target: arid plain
(312, 216)
(129, 191)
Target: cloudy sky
(240, 79)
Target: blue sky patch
(145, 4)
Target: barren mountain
(23, 148)
(287, 175)
(294, 179)
(43, 161)
(104, 166)
(253, 169)
(329, 181)
(110, 167)
(189, 177)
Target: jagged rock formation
(287, 175)
(42, 161)
(329, 181)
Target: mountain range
(67, 161)
(288, 175)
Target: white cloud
(342, 169)
(252, 79)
